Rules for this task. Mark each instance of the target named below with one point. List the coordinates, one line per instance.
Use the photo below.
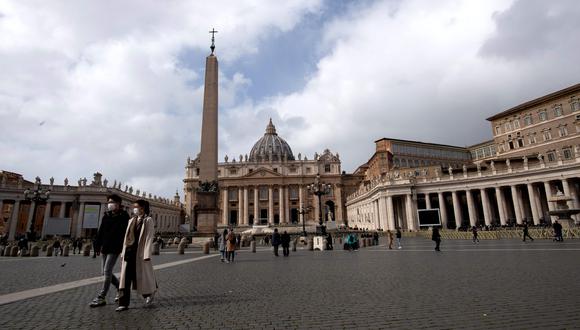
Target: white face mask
(112, 206)
(136, 211)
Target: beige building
(73, 211)
(535, 154)
(268, 186)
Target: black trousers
(276, 249)
(130, 278)
(286, 250)
(437, 243)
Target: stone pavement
(493, 284)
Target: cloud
(106, 79)
(423, 70)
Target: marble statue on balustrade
(51, 180)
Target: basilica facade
(269, 186)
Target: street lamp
(319, 189)
(37, 195)
(302, 212)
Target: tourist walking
(56, 247)
(276, 241)
(285, 241)
(222, 241)
(109, 242)
(136, 269)
(399, 235)
(527, 233)
(390, 236)
(231, 246)
(437, 238)
(474, 231)
(329, 245)
(558, 237)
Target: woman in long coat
(136, 269)
(231, 247)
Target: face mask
(111, 206)
(136, 211)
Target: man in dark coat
(527, 233)
(276, 241)
(109, 242)
(285, 240)
(558, 232)
(437, 238)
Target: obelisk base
(207, 213)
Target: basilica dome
(270, 147)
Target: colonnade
(500, 203)
(282, 210)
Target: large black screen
(429, 217)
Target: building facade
(73, 211)
(508, 180)
(268, 186)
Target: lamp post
(302, 212)
(37, 195)
(319, 189)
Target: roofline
(481, 143)
(423, 143)
(535, 102)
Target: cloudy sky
(116, 86)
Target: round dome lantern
(270, 147)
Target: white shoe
(149, 301)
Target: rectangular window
(551, 156)
(507, 127)
(293, 191)
(497, 130)
(543, 115)
(575, 104)
(547, 135)
(557, 110)
(516, 124)
(276, 169)
(308, 170)
(292, 169)
(233, 171)
(528, 120)
(563, 131)
(326, 168)
(567, 152)
(233, 195)
(263, 193)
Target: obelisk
(207, 193)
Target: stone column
(500, 206)
(301, 204)
(14, 219)
(281, 204)
(442, 210)
(533, 205)
(456, 209)
(316, 208)
(485, 204)
(538, 201)
(551, 205)
(390, 213)
(240, 206)
(376, 215)
(339, 215)
(246, 207)
(566, 188)
(427, 201)
(517, 206)
(45, 219)
(381, 213)
(256, 205)
(80, 219)
(225, 206)
(411, 221)
(30, 215)
(270, 205)
(287, 204)
(62, 210)
(471, 208)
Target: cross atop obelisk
(213, 32)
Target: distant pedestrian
(95, 252)
(390, 236)
(56, 247)
(527, 233)
(216, 239)
(136, 269)
(399, 235)
(276, 241)
(376, 238)
(329, 245)
(109, 243)
(231, 246)
(267, 240)
(474, 231)
(558, 237)
(437, 238)
(285, 241)
(222, 241)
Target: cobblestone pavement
(493, 284)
